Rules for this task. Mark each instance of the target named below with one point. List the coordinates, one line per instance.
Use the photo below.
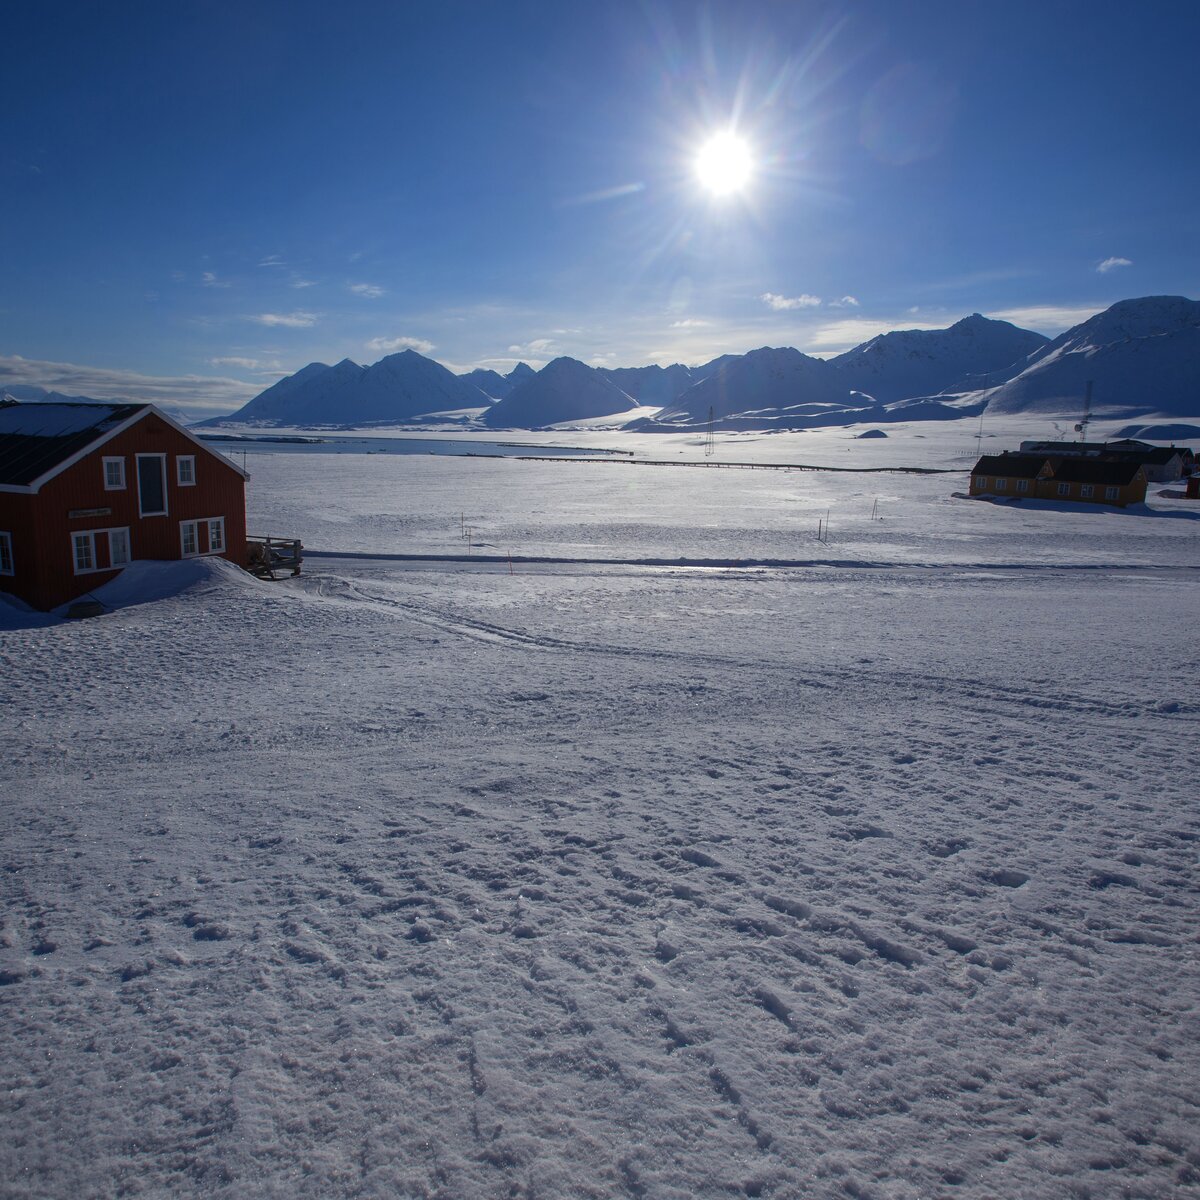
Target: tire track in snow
(991, 693)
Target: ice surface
(870, 878)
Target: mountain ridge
(1143, 355)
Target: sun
(724, 164)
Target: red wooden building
(87, 488)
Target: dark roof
(1127, 448)
(1091, 470)
(1011, 466)
(36, 438)
(1154, 454)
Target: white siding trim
(208, 523)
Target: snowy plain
(860, 867)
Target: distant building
(87, 488)
(1162, 463)
(1042, 477)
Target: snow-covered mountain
(310, 395)
(772, 385)
(396, 388)
(654, 385)
(563, 390)
(490, 383)
(780, 388)
(924, 362)
(28, 392)
(495, 385)
(408, 384)
(1142, 355)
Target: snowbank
(144, 581)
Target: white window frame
(119, 463)
(1064, 489)
(194, 526)
(88, 536)
(6, 554)
(1111, 493)
(1086, 491)
(162, 466)
(112, 561)
(1001, 484)
(190, 459)
(1022, 485)
(981, 482)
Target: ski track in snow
(601, 885)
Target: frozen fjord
(844, 880)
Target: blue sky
(200, 197)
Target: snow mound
(16, 614)
(144, 582)
(1159, 433)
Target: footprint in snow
(1007, 878)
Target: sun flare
(724, 164)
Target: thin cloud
(297, 282)
(844, 302)
(369, 291)
(784, 303)
(1047, 318)
(295, 320)
(690, 323)
(845, 334)
(538, 348)
(391, 345)
(1109, 263)
(209, 279)
(200, 394)
(612, 193)
(247, 364)
(272, 260)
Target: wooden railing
(265, 556)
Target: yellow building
(1077, 480)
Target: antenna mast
(1081, 428)
(709, 441)
(987, 383)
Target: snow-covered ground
(871, 877)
